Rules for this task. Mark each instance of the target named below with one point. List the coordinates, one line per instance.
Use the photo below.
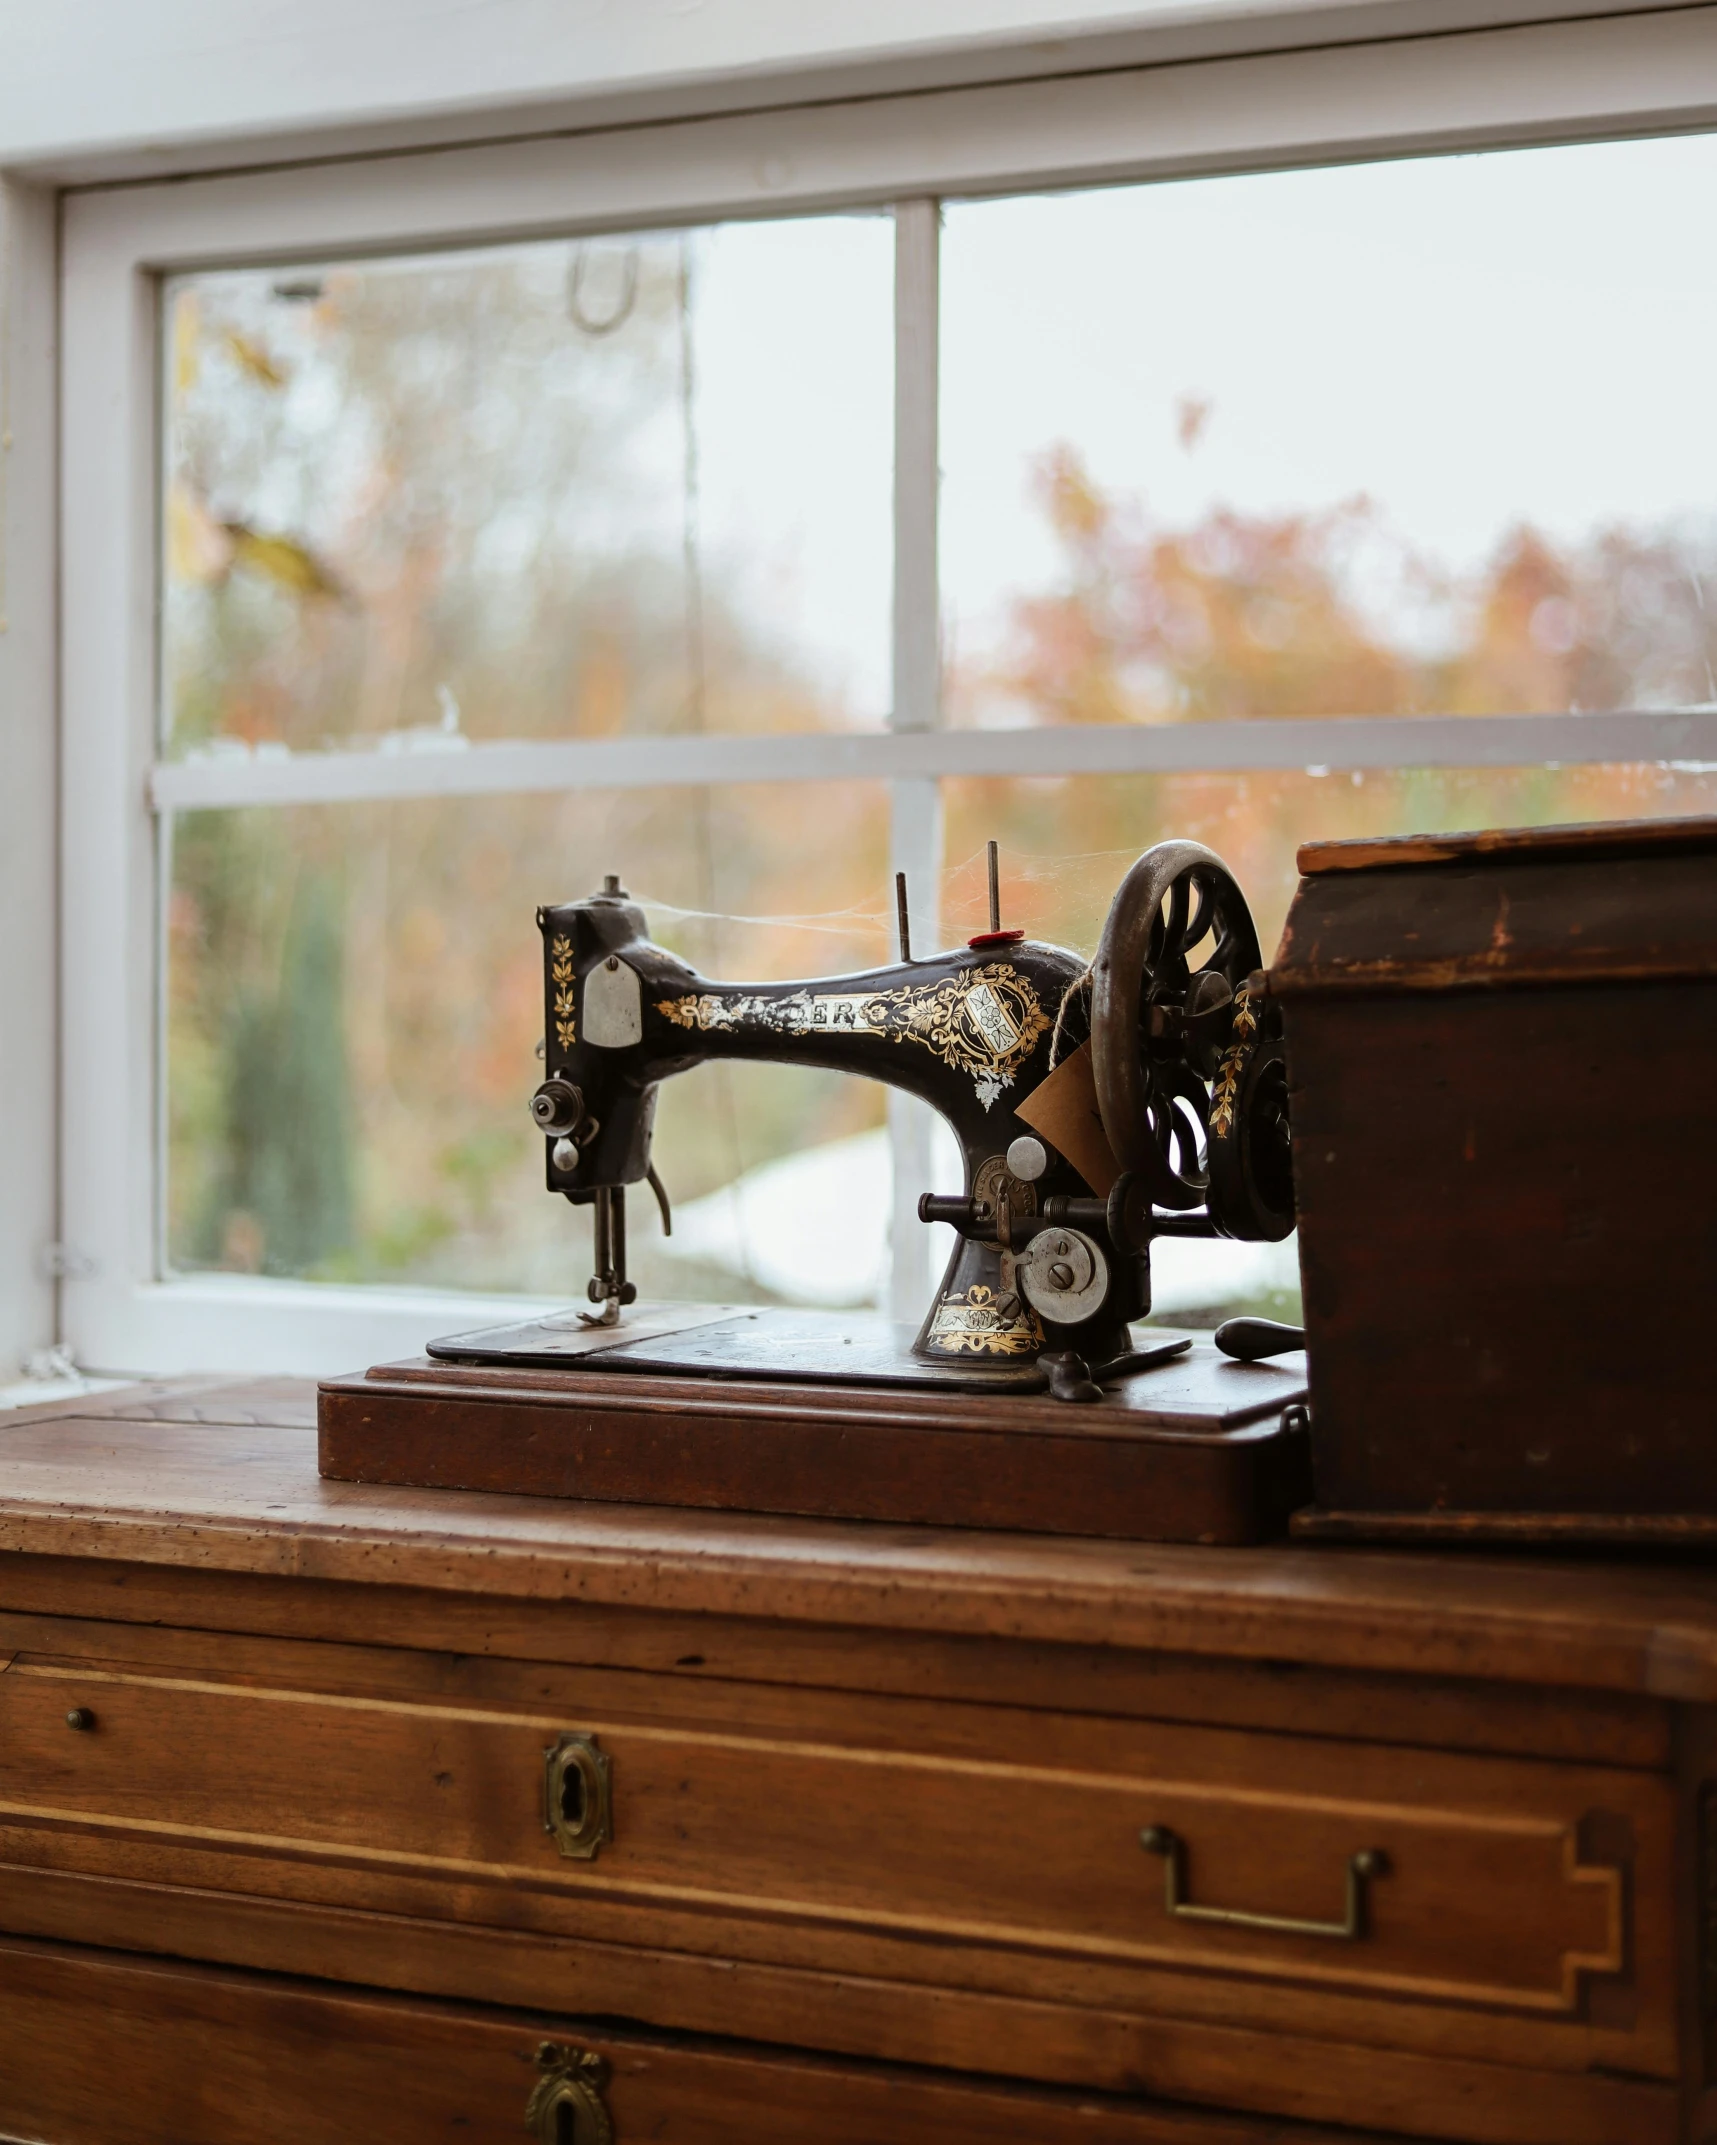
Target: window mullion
(915, 802)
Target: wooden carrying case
(1502, 1056)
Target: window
(756, 507)
(609, 489)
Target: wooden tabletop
(222, 1476)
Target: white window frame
(29, 1005)
(1568, 81)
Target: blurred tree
(1239, 616)
(1253, 616)
(426, 500)
(276, 1159)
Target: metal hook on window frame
(584, 321)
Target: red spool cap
(995, 938)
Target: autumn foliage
(1248, 616)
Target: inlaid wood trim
(1356, 1808)
(1563, 2001)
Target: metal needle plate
(820, 1347)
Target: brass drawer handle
(578, 1797)
(565, 2107)
(1361, 1868)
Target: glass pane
(618, 486)
(355, 1000)
(1066, 844)
(1432, 436)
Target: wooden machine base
(1196, 1450)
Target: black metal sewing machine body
(970, 1031)
(1097, 1106)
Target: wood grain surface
(1201, 2057)
(1497, 926)
(388, 1829)
(1514, 1337)
(192, 2057)
(208, 1483)
(1212, 1462)
(1618, 837)
(878, 1793)
(440, 1643)
(965, 1829)
(1505, 1168)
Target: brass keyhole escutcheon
(578, 1796)
(565, 2107)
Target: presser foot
(609, 1287)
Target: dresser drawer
(102, 2050)
(1504, 1909)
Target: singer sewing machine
(1098, 1106)
(1095, 1106)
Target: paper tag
(1064, 1109)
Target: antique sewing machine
(1098, 1106)
(1496, 1293)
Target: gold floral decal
(985, 1022)
(560, 974)
(975, 1324)
(699, 1012)
(1226, 1091)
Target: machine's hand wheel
(1162, 1030)
(1251, 1165)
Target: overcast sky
(1469, 341)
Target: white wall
(130, 88)
(27, 765)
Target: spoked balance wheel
(1188, 1065)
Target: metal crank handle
(1250, 1340)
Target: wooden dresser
(329, 1813)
